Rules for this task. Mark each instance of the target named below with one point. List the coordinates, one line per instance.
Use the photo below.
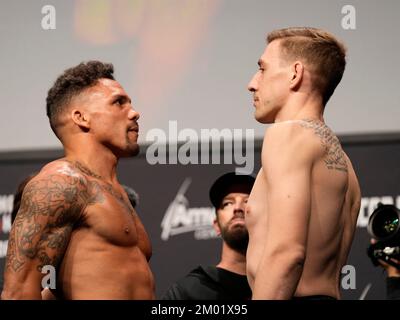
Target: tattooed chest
(106, 209)
(112, 221)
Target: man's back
(330, 218)
(96, 241)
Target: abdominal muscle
(93, 268)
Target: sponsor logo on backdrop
(179, 218)
(6, 205)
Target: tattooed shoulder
(334, 156)
(51, 204)
(56, 194)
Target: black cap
(227, 183)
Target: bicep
(287, 169)
(37, 243)
(42, 228)
(289, 206)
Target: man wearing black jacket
(227, 280)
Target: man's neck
(232, 260)
(97, 162)
(300, 109)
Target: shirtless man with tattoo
(302, 211)
(74, 214)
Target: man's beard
(132, 148)
(236, 237)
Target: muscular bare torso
(108, 251)
(335, 198)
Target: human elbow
(298, 258)
(293, 255)
(10, 295)
(20, 293)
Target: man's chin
(237, 238)
(262, 118)
(239, 224)
(131, 151)
(134, 151)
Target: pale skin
(231, 215)
(76, 216)
(302, 211)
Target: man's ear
(216, 227)
(81, 119)
(297, 73)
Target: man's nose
(239, 206)
(133, 114)
(252, 86)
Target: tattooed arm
(51, 204)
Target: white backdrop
(189, 61)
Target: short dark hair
(71, 83)
(320, 49)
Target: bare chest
(256, 208)
(116, 222)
